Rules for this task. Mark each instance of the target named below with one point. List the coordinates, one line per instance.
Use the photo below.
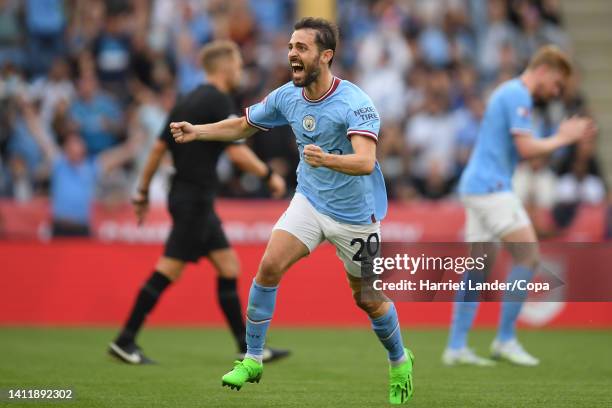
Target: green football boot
(401, 388)
(247, 370)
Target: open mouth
(296, 67)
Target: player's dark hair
(327, 33)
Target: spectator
(390, 152)
(74, 177)
(430, 141)
(580, 182)
(52, 89)
(534, 31)
(435, 46)
(146, 124)
(11, 34)
(389, 101)
(26, 159)
(45, 21)
(140, 49)
(21, 184)
(97, 115)
(499, 33)
(112, 51)
(272, 15)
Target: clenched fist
(183, 132)
(314, 155)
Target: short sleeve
(267, 113)
(519, 108)
(363, 119)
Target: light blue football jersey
(495, 156)
(329, 122)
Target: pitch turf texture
(329, 368)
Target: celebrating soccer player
(196, 229)
(493, 211)
(340, 196)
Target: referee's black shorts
(196, 231)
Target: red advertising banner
(92, 283)
(250, 222)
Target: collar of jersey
(334, 85)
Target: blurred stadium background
(109, 71)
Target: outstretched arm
(116, 156)
(359, 163)
(224, 131)
(44, 140)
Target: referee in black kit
(196, 229)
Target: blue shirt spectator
(45, 22)
(73, 188)
(272, 15)
(97, 116)
(74, 178)
(45, 17)
(112, 50)
(23, 144)
(434, 44)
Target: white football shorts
(311, 227)
(491, 216)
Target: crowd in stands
(85, 87)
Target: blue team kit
(495, 157)
(329, 122)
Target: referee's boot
(130, 354)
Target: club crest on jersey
(522, 111)
(309, 123)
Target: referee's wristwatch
(268, 175)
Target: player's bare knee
(170, 268)
(270, 270)
(368, 305)
(171, 274)
(229, 270)
(527, 255)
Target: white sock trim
(258, 358)
(399, 361)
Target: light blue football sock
(512, 303)
(259, 315)
(387, 328)
(464, 311)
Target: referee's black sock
(230, 304)
(145, 301)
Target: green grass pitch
(329, 368)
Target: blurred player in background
(341, 194)
(494, 212)
(196, 229)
